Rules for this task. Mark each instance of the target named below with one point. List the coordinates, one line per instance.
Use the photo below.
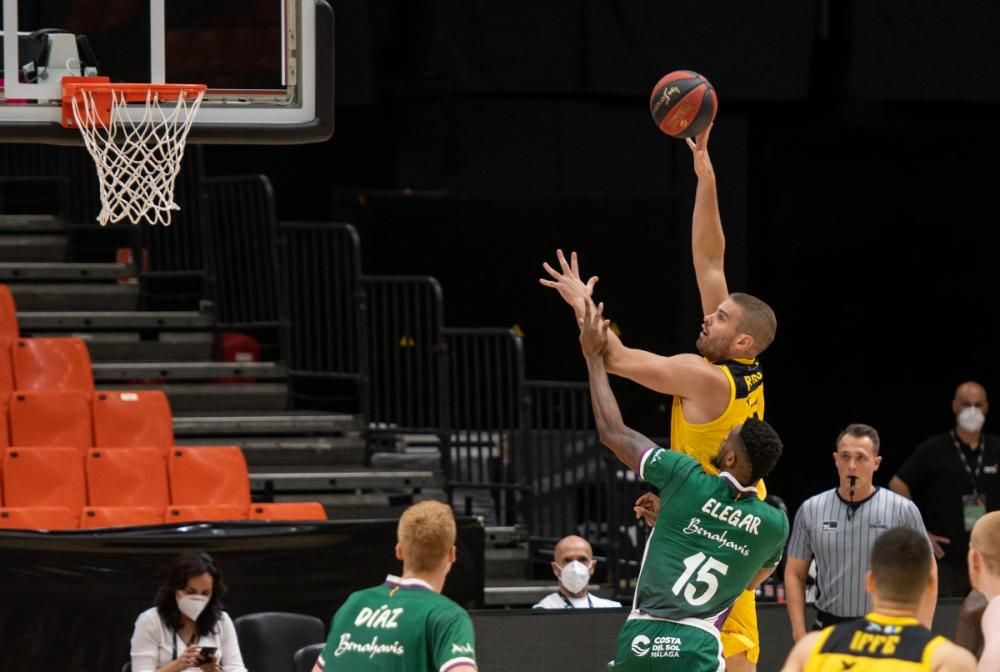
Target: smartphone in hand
(205, 656)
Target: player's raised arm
(567, 281)
(708, 242)
(627, 444)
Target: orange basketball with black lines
(683, 104)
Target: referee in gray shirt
(838, 528)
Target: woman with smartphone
(187, 629)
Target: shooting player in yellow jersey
(714, 390)
(902, 578)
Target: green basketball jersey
(402, 625)
(712, 536)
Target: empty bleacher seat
(127, 477)
(209, 475)
(38, 518)
(52, 364)
(51, 418)
(193, 513)
(124, 419)
(270, 639)
(6, 370)
(44, 477)
(9, 328)
(120, 516)
(287, 511)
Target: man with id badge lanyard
(573, 565)
(953, 479)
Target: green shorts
(651, 646)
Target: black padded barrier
(69, 600)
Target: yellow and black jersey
(875, 642)
(746, 400)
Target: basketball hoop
(137, 150)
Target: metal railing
(406, 354)
(240, 232)
(323, 322)
(485, 388)
(180, 248)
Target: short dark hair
(185, 566)
(762, 445)
(901, 564)
(860, 431)
(758, 320)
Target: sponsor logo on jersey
(666, 647)
(640, 645)
(829, 525)
(694, 527)
(463, 648)
(372, 648)
(990, 468)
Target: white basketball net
(137, 157)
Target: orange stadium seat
(44, 477)
(51, 418)
(52, 364)
(6, 369)
(9, 328)
(120, 516)
(38, 518)
(124, 419)
(209, 475)
(127, 477)
(287, 511)
(195, 513)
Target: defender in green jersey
(406, 625)
(713, 539)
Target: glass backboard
(268, 64)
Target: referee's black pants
(825, 619)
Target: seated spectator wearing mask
(573, 566)
(186, 622)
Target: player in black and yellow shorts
(903, 584)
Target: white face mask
(574, 576)
(971, 419)
(192, 605)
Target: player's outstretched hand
(593, 330)
(699, 148)
(647, 508)
(568, 283)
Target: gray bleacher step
(21, 271)
(110, 320)
(131, 347)
(275, 479)
(216, 396)
(509, 562)
(125, 371)
(31, 224)
(311, 451)
(33, 247)
(506, 591)
(406, 460)
(506, 535)
(260, 424)
(368, 505)
(75, 296)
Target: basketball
(683, 104)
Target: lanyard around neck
(973, 474)
(569, 605)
